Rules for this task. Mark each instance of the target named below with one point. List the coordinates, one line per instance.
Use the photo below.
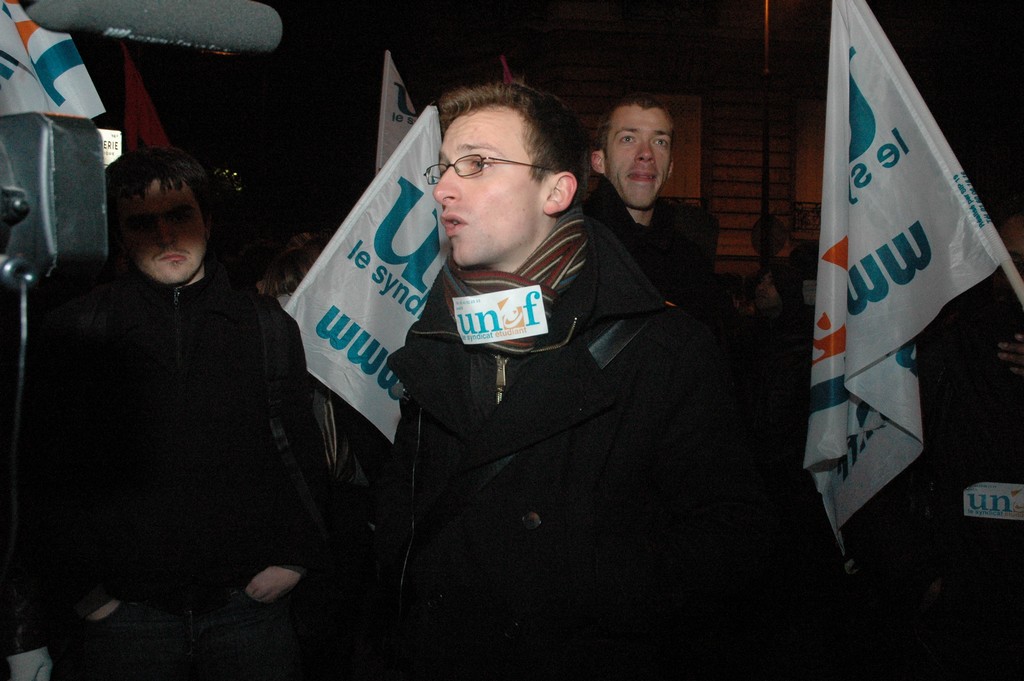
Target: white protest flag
(397, 114)
(902, 233)
(41, 70)
(369, 285)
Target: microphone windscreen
(218, 25)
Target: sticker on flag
(370, 283)
(902, 234)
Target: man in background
(674, 244)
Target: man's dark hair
(132, 174)
(1006, 208)
(555, 138)
(286, 271)
(644, 100)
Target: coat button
(435, 602)
(531, 520)
(512, 630)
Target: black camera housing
(53, 211)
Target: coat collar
(610, 286)
(215, 277)
(557, 387)
(606, 206)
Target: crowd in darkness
(196, 505)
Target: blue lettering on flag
(906, 357)
(417, 262)
(370, 360)
(401, 100)
(914, 261)
(857, 442)
(859, 294)
(5, 71)
(53, 63)
(967, 191)
(365, 359)
(862, 119)
(828, 394)
(333, 334)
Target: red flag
(506, 73)
(141, 123)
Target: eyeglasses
(468, 166)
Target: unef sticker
(505, 315)
(999, 500)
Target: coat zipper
(178, 343)
(177, 327)
(499, 381)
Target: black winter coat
(155, 435)
(627, 516)
(676, 252)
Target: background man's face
(164, 233)
(495, 219)
(637, 154)
(1012, 234)
(766, 296)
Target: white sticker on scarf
(1000, 500)
(502, 316)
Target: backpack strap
(604, 348)
(275, 338)
(618, 335)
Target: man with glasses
(569, 497)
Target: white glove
(34, 665)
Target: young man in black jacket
(674, 244)
(555, 510)
(173, 521)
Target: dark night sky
(300, 124)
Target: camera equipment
(218, 25)
(52, 198)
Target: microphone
(219, 25)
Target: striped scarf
(552, 266)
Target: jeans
(244, 640)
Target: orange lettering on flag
(25, 30)
(832, 344)
(838, 254)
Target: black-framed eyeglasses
(470, 165)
